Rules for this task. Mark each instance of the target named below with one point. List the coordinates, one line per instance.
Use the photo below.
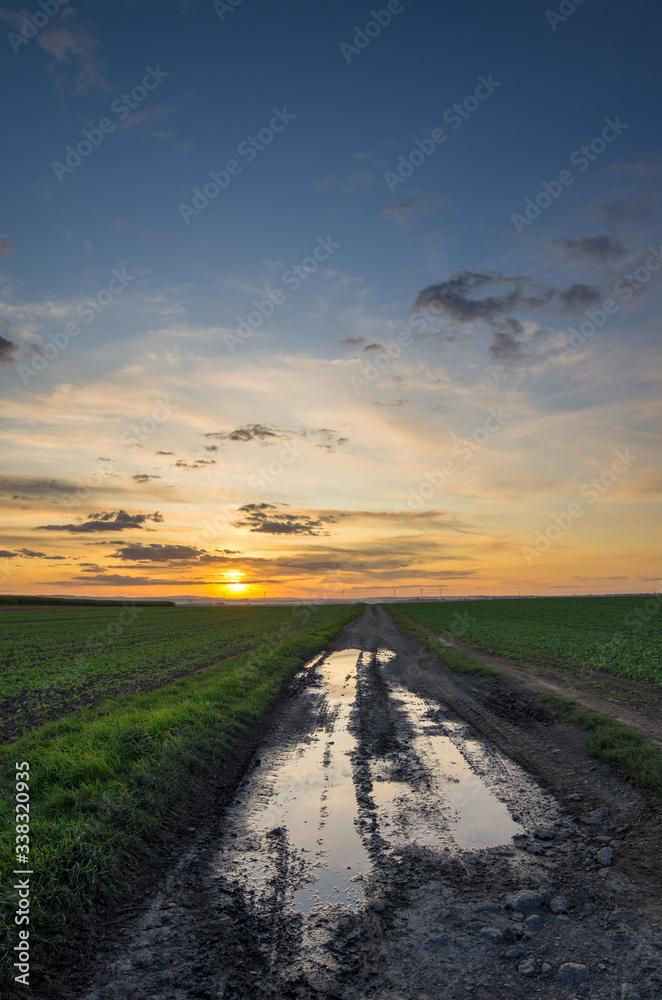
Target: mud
(404, 833)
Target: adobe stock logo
(93, 137)
(363, 36)
(31, 26)
(582, 158)
(590, 491)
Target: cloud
(405, 213)
(142, 477)
(198, 464)
(28, 553)
(104, 521)
(31, 554)
(7, 349)
(578, 297)
(146, 114)
(266, 518)
(506, 347)
(467, 298)
(70, 43)
(121, 581)
(5, 245)
(601, 248)
(155, 552)
(627, 210)
(648, 165)
(35, 487)
(324, 183)
(165, 453)
(357, 179)
(456, 298)
(352, 342)
(250, 432)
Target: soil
(636, 703)
(401, 833)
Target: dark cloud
(7, 347)
(165, 453)
(119, 580)
(267, 518)
(105, 521)
(468, 298)
(198, 464)
(31, 554)
(35, 487)
(250, 432)
(142, 477)
(352, 342)
(156, 553)
(506, 347)
(5, 554)
(578, 297)
(211, 447)
(627, 210)
(601, 248)
(463, 298)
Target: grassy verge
(628, 752)
(625, 749)
(450, 657)
(107, 784)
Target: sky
(311, 300)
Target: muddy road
(404, 833)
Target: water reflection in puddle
(311, 796)
(457, 800)
(297, 818)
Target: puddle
(308, 791)
(457, 802)
(297, 821)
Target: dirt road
(406, 834)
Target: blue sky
(500, 337)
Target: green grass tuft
(629, 752)
(458, 662)
(108, 782)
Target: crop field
(622, 635)
(53, 659)
(110, 782)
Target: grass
(56, 659)
(109, 783)
(620, 746)
(628, 752)
(450, 657)
(618, 635)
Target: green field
(107, 784)
(622, 635)
(55, 658)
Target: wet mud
(403, 834)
